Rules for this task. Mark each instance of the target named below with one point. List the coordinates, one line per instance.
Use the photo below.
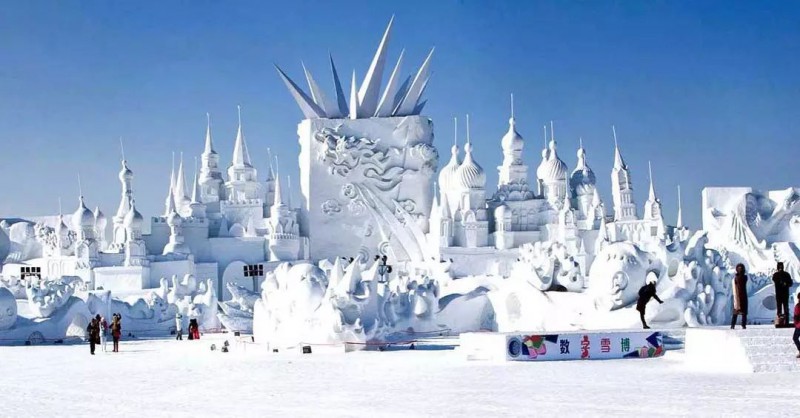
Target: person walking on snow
(783, 282)
(647, 292)
(796, 336)
(739, 296)
(94, 334)
(103, 332)
(178, 326)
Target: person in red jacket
(796, 336)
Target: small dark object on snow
(412, 347)
(274, 350)
(213, 347)
(58, 341)
(28, 342)
(224, 349)
(306, 349)
(225, 343)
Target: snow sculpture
(8, 309)
(547, 264)
(237, 313)
(15, 285)
(301, 304)
(51, 295)
(619, 271)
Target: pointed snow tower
(513, 173)
(211, 190)
(652, 210)
(242, 184)
(284, 239)
(621, 186)
(349, 206)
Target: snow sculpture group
(538, 256)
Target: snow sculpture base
(571, 345)
(753, 350)
(355, 174)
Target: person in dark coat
(646, 293)
(739, 296)
(116, 331)
(783, 282)
(796, 336)
(94, 334)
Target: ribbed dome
(83, 217)
(61, 227)
(512, 140)
(133, 219)
(449, 170)
(541, 171)
(470, 175)
(582, 181)
(125, 173)
(552, 169)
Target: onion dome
(541, 171)
(83, 217)
(582, 181)
(61, 227)
(449, 170)
(133, 219)
(470, 174)
(553, 169)
(512, 140)
(125, 173)
(99, 218)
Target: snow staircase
(758, 349)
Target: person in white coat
(103, 332)
(178, 326)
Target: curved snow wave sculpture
(49, 295)
(237, 313)
(8, 309)
(545, 264)
(357, 304)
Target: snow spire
(618, 161)
(172, 179)
(271, 172)
(121, 149)
(170, 203)
(680, 210)
(512, 106)
(196, 185)
(652, 194)
(209, 147)
(180, 183)
(240, 155)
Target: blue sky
(707, 90)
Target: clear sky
(707, 90)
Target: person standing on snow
(647, 292)
(178, 326)
(94, 334)
(783, 282)
(103, 332)
(116, 331)
(739, 296)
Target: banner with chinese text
(589, 345)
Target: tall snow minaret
(513, 173)
(652, 208)
(125, 179)
(621, 186)
(242, 183)
(210, 175)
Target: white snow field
(163, 377)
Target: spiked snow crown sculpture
(366, 101)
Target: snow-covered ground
(164, 377)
